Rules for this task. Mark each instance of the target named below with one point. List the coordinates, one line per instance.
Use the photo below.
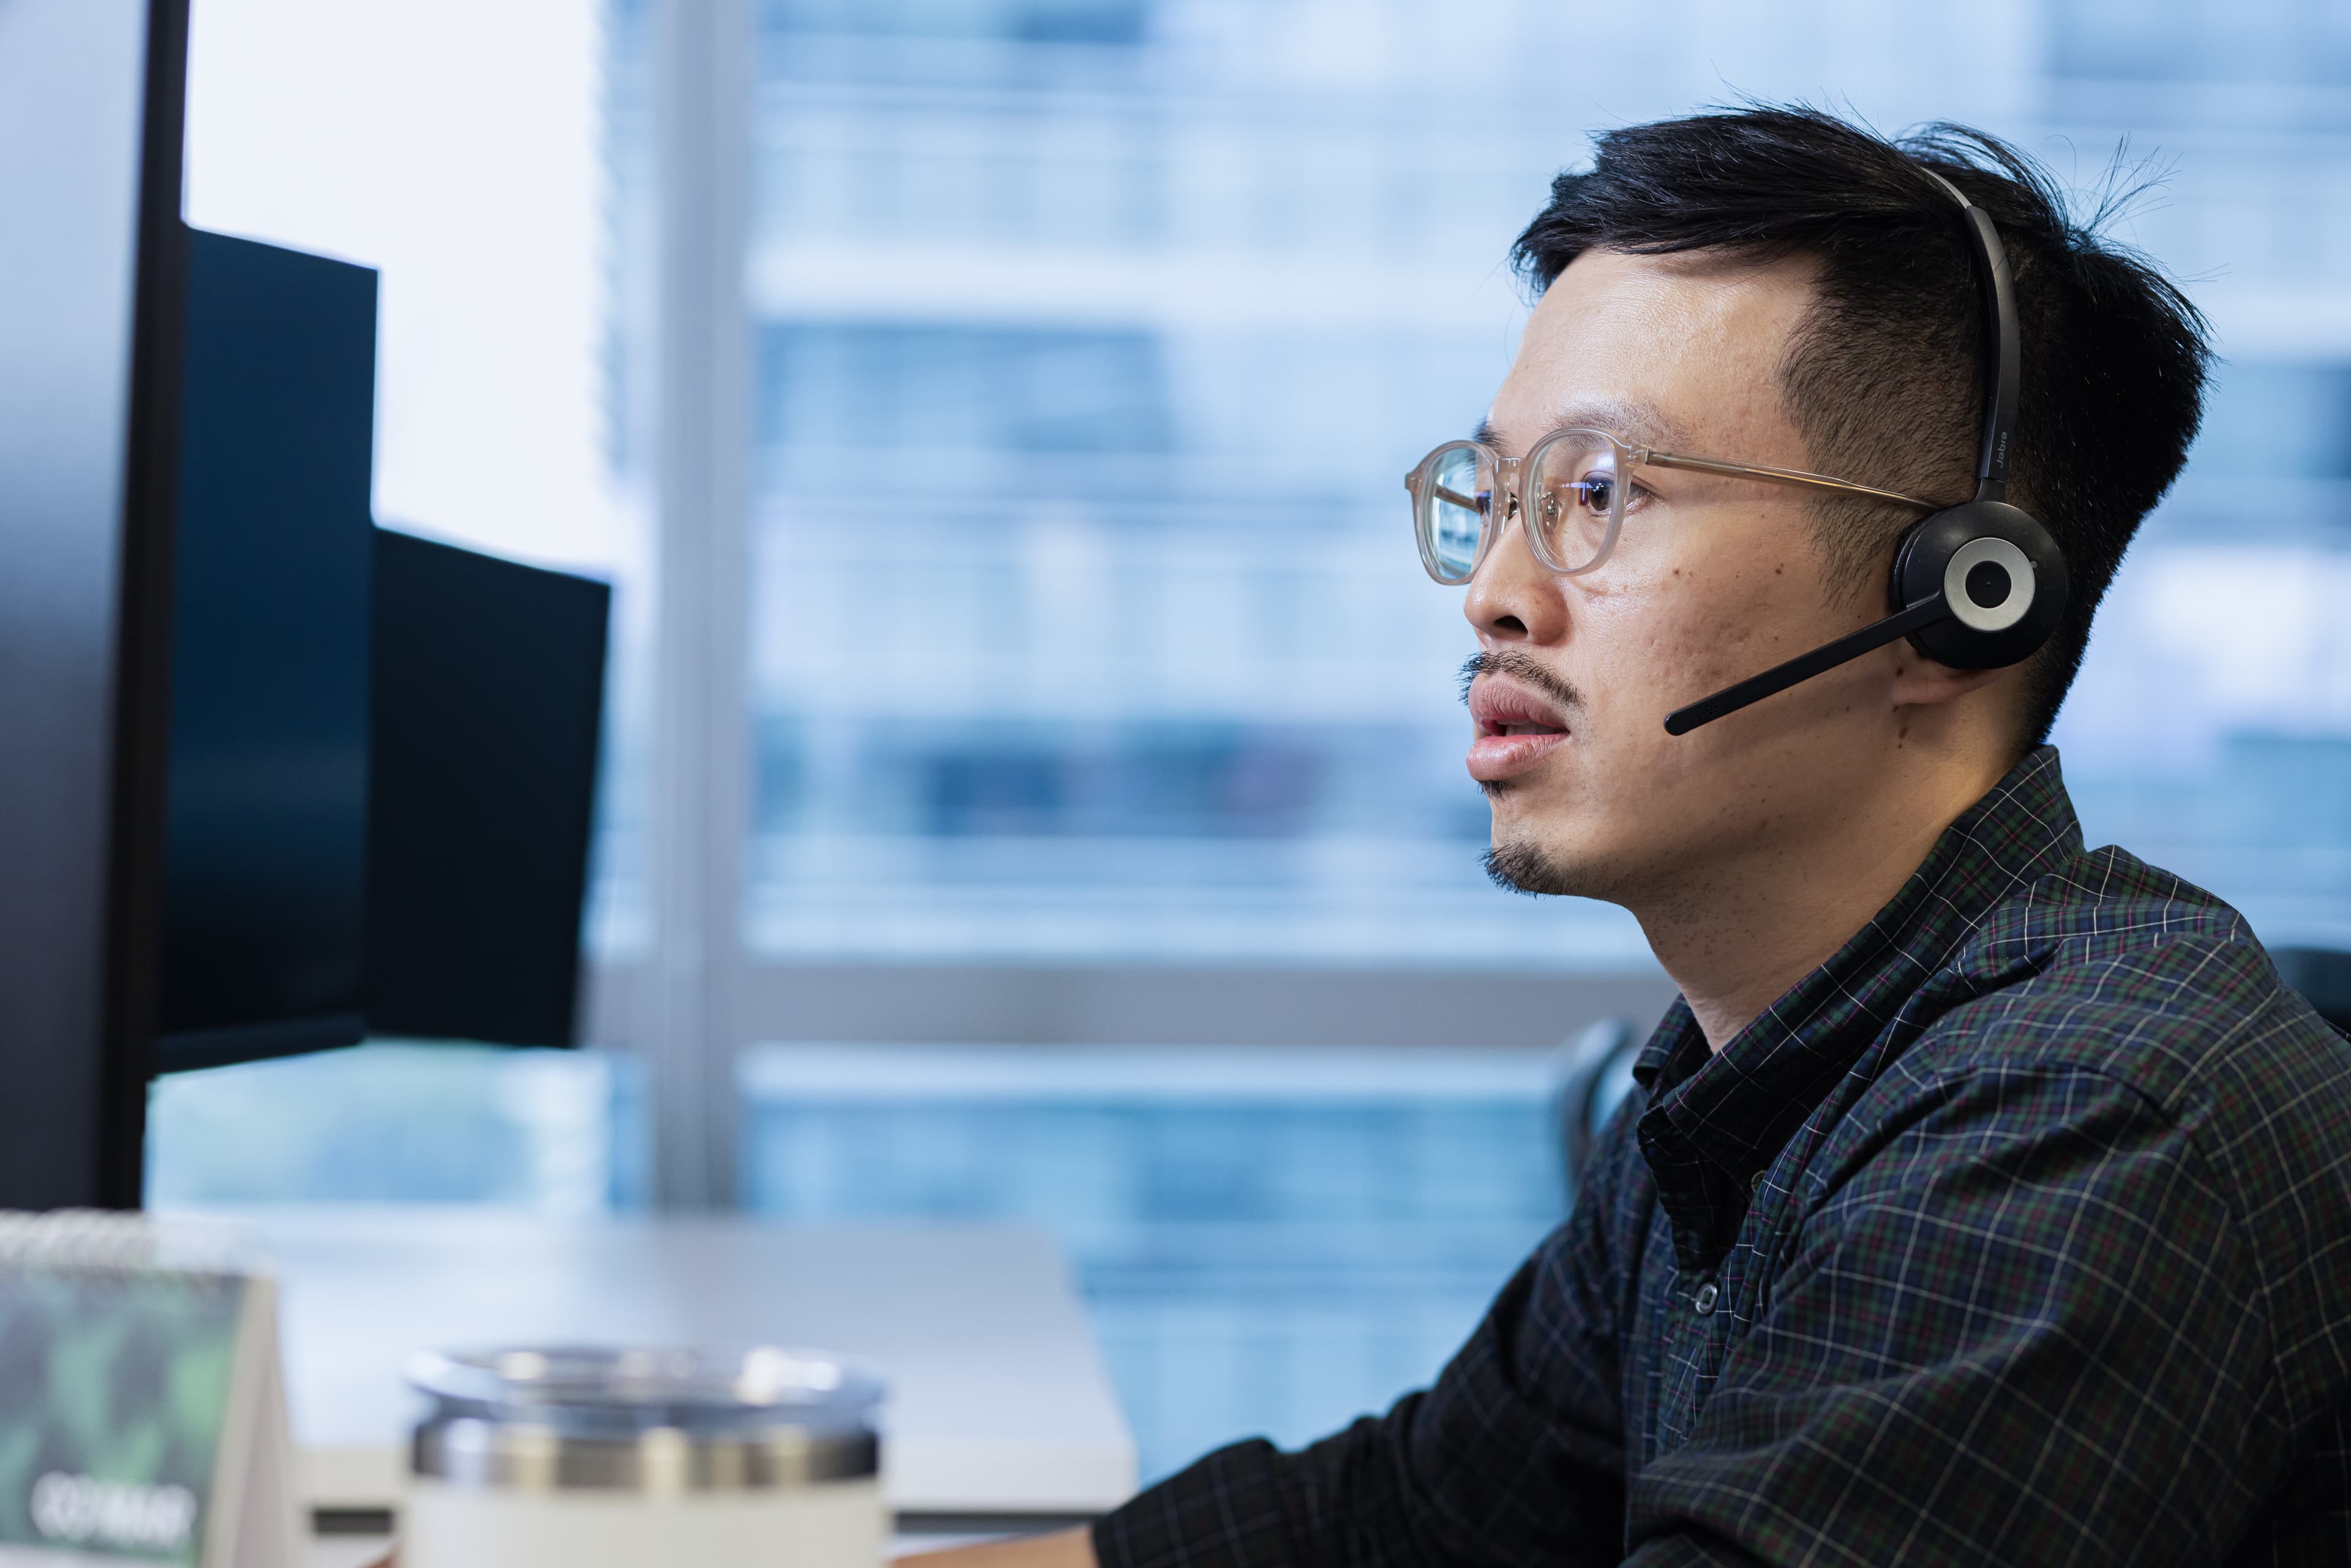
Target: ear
(1922, 682)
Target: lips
(1515, 729)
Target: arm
(1514, 1458)
(1063, 1549)
(2020, 1324)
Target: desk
(998, 1405)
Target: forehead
(1679, 352)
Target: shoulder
(2112, 967)
(2118, 1024)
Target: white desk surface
(998, 1403)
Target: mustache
(1520, 667)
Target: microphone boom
(1804, 667)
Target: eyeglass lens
(1453, 506)
(1577, 499)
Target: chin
(1522, 863)
(1544, 843)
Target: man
(1982, 1200)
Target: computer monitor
(90, 255)
(489, 691)
(267, 817)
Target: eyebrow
(1633, 423)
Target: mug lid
(592, 1391)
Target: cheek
(1684, 627)
(1653, 640)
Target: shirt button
(1703, 1302)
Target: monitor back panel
(489, 681)
(265, 867)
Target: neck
(1762, 919)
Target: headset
(1979, 586)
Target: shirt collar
(1716, 1120)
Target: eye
(1599, 491)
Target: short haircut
(1885, 379)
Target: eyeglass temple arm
(1790, 476)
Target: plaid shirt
(2019, 1231)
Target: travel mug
(579, 1458)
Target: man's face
(1712, 579)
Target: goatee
(1521, 867)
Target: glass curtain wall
(2211, 731)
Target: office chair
(1595, 1074)
(2323, 977)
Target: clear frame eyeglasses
(1569, 493)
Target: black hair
(1884, 380)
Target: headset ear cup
(2010, 545)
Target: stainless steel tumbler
(589, 1458)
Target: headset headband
(1998, 290)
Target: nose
(1512, 597)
